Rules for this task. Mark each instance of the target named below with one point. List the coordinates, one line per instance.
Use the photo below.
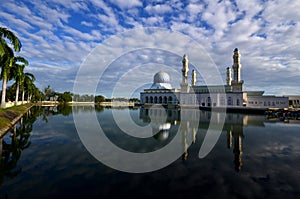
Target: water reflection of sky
(56, 165)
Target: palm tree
(6, 57)
(18, 74)
(28, 85)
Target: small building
(256, 99)
(294, 101)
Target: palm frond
(5, 33)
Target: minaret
(237, 83)
(185, 69)
(194, 78)
(185, 66)
(228, 76)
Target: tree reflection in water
(18, 139)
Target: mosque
(230, 95)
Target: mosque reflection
(192, 120)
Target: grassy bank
(9, 116)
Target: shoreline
(11, 116)
(112, 104)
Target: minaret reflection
(188, 127)
(184, 127)
(235, 134)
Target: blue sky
(58, 36)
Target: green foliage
(134, 100)
(10, 93)
(7, 34)
(37, 95)
(64, 110)
(99, 98)
(65, 97)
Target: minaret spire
(185, 69)
(236, 65)
(185, 66)
(228, 76)
(194, 78)
(237, 83)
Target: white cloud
(66, 31)
(88, 24)
(158, 9)
(127, 4)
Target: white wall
(267, 102)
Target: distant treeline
(51, 95)
(101, 98)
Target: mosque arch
(170, 99)
(165, 100)
(147, 99)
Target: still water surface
(43, 157)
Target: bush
(65, 97)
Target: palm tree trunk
(23, 96)
(3, 92)
(17, 94)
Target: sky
(59, 38)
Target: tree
(37, 95)
(27, 85)
(65, 97)
(18, 74)
(49, 92)
(6, 57)
(99, 98)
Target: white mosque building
(230, 95)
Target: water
(43, 157)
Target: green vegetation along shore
(9, 116)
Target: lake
(48, 155)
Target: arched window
(170, 101)
(165, 100)
(147, 99)
(229, 101)
(155, 100)
(151, 100)
(238, 102)
(160, 99)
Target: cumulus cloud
(158, 9)
(58, 32)
(127, 4)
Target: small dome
(161, 77)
